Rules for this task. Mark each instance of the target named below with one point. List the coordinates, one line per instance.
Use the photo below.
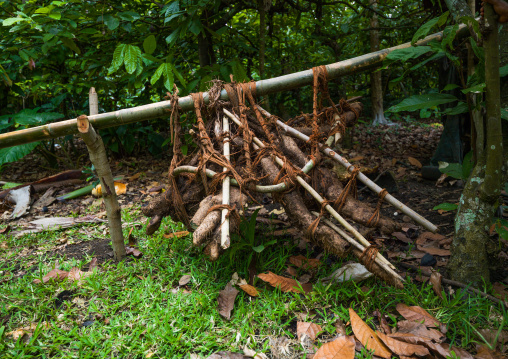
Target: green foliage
(13, 154)
(52, 52)
(458, 170)
(428, 26)
(446, 207)
(419, 102)
(248, 240)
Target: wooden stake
(99, 159)
(225, 240)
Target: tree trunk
(470, 248)
(205, 43)
(376, 85)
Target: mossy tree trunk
(470, 249)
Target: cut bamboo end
(83, 124)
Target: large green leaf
(71, 45)
(454, 170)
(504, 113)
(168, 76)
(150, 44)
(425, 28)
(131, 55)
(158, 73)
(461, 107)
(408, 53)
(477, 88)
(12, 20)
(503, 71)
(446, 207)
(36, 119)
(13, 154)
(418, 102)
(118, 58)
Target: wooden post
(99, 159)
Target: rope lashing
(374, 219)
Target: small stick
(329, 208)
(458, 284)
(224, 237)
(373, 186)
(386, 266)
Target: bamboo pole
(330, 209)
(364, 179)
(388, 267)
(225, 238)
(159, 109)
(99, 159)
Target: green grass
(135, 314)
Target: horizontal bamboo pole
(360, 176)
(159, 109)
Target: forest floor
(162, 302)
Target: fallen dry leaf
(428, 237)
(309, 329)
(418, 329)
(490, 335)
(435, 280)
(249, 289)
(444, 350)
(21, 332)
(401, 348)
(226, 355)
(418, 314)
(93, 264)
(367, 336)
(291, 271)
(176, 234)
(5, 230)
(402, 237)
(77, 275)
(500, 291)
(226, 300)
(435, 251)
(382, 321)
(482, 352)
(184, 280)
(414, 162)
(340, 328)
(55, 274)
(341, 348)
(285, 284)
(133, 251)
(304, 262)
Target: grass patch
(132, 310)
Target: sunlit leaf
(13, 154)
(418, 102)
